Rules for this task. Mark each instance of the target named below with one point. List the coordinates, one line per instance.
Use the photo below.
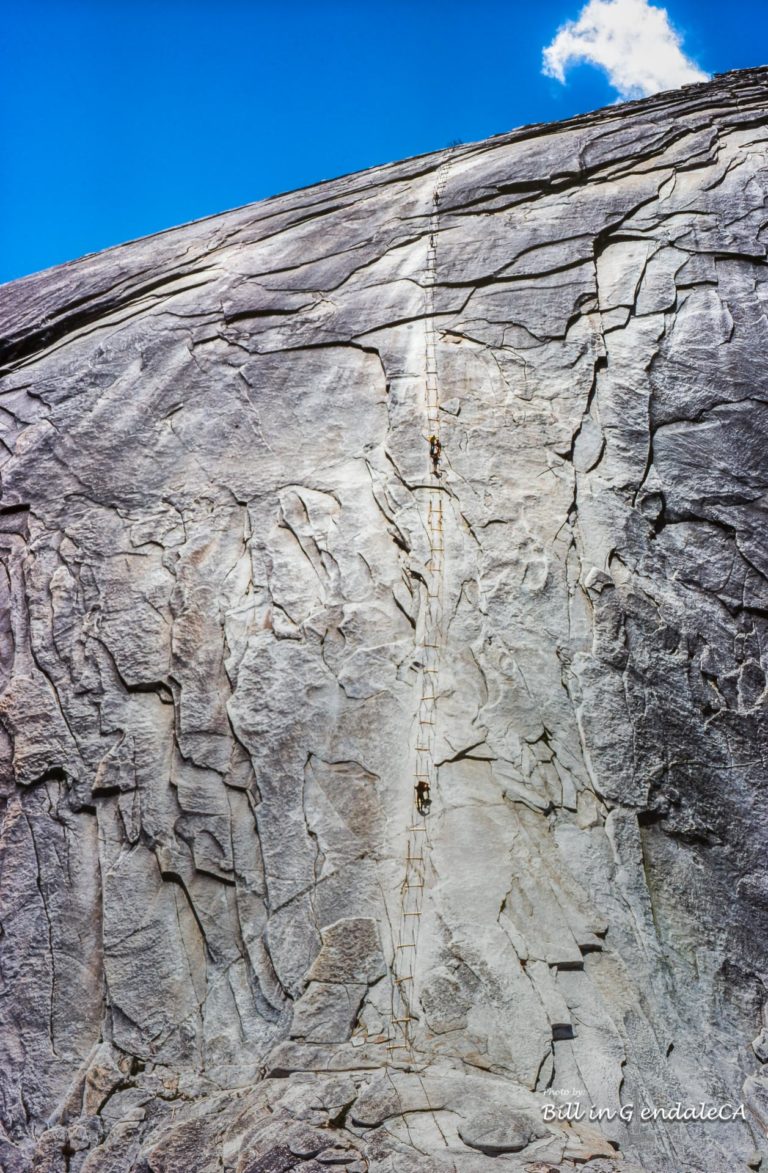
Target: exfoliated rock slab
(350, 952)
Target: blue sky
(122, 117)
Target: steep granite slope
(383, 668)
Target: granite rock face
(252, 612)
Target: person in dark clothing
(423, 800)
(435, 448)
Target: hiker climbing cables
(435, 448)
(423, 800)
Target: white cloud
(631, 40)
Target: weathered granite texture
(215, 473)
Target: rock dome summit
(383, 669)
